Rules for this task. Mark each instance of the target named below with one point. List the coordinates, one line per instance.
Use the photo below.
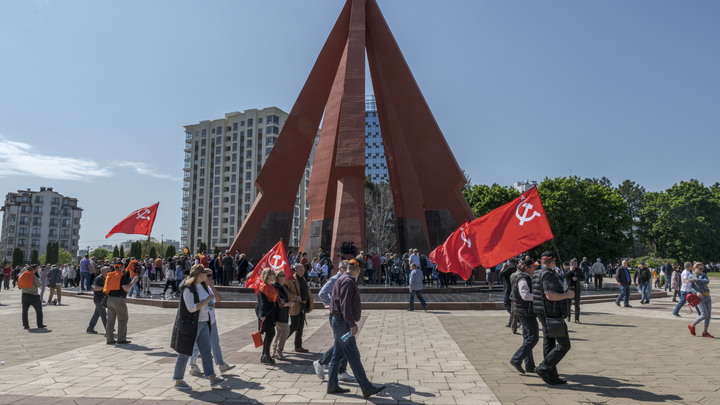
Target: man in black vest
(549, 301)
(522, 299)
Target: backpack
(26, 279)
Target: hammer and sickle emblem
(143, 214)
(524, 218)
(273, 262)
(465, 239)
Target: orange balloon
(186, 251)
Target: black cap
(548, 254)
(527, 263)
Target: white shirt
(414, 259)
(190, 302)
(524, 290)
(325, 269)
(685, 275)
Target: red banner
(456, 254)
(140, 222)
(507, 231)
(276, 259)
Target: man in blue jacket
(622, 275)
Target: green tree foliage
(588, 218)
(483, 198)
(682, 222)
(48, 256)
(34, 257)
(634, 196)
(17, 257)
(64, 256)
(153, 253)
(116, 251)
(202, 247)
(101, 254)
(216, 251)
(170, 251)
(122, 252)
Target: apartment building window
(234, 147)
(200, 202)
(242, 123)
(216, 190)
(214, 233)
(247, 197)
(267, 151)
(259, 131)
(247, 208)
(247, 186)
(248, 155)
(234, 167)
(250, 122)
(234, 137)
(270, 140)
(22, 232)
(34, 243)
(272, 130)
(203, 143)
(212, 131)
(202, 192)
(218, 141)
(219, 131)
(65, 233)
(38, 199)
(202, 162)
(215, 221)
(272, 119)
(248, 165)
(55, 200)
(25, 209)
(36, 232)
(235, 127)
(52, 233)
(197, 133)
(66, 212)
(247, 175)
(202, 152)
(217, 160)
(24, 220)
(217, 170)
(233, 178)
(54, 211)
(234, 157)
(217, 180)
(37, 221)
(199, 222)
(204, 132)
(249, 133)
(260, 120)
(216, 200)
(232, 199)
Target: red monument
(425, 179)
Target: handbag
(555, 327)
(103, 303)
(257, 337)
(692, 302)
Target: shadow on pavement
(599, 385)
(162, 354)
(608, 324)
(43, 330)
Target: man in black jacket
(622, 275)
(574, 276)
(508, 269)
(642, 279)
(550, 304)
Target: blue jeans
(214, 346)
(704, 309)
(327, 356)
(531, 337)
(100, 313)
(678, 307)
(420, 297)
(202, 340)
(350, 350)
(644, 291)
(134, 288)
(624, 294)
(85, 280)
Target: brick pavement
(619, 355)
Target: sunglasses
(209, 275)
(282, 275)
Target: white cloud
(19, 159)
(145, 170)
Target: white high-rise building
(375, 163)
(222, 160)
(31, 219)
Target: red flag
(514, 228)
(140, 222)
(276, 259)
(456, 254)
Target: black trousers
(269, 331)
(170, 283)
(297, 324)
(598, 281)
(530, 339)
(34, 301)
(554, 349)
(577, 303)
(227, 276)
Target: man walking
(298, 288)
(116, 287)
(85, 274)
(29, 283)
(326, 297)
(98, 295)
(55, 280)
(523, 305)
(574, 276)
(668, 269)
(416, 285)
(508, 269)
(684, 287)
(550, 306)
(641, 279)
(586, 270)
(346, 311)
(622, 275)
(228, 265)
(598, 271)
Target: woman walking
(282, 326)
(266, 310)
(699, 286)
(675, 282)
(192, 326)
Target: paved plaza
(619, 355)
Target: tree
(101, 254)
(483, 198)
(122, 252)
(34, 257)
(49, 253)
(170, 251)
(202, 247)
(682, 222)
(18, 257)
(153, 253)
(216, 251)
(588, 218)
(64, 256)
(116, 251)
(633, 194)
(379, 217)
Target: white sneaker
(195, 370)
(345, 377)
(219, 381)
(225, 367)
(319, 370)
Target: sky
(94, 94)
